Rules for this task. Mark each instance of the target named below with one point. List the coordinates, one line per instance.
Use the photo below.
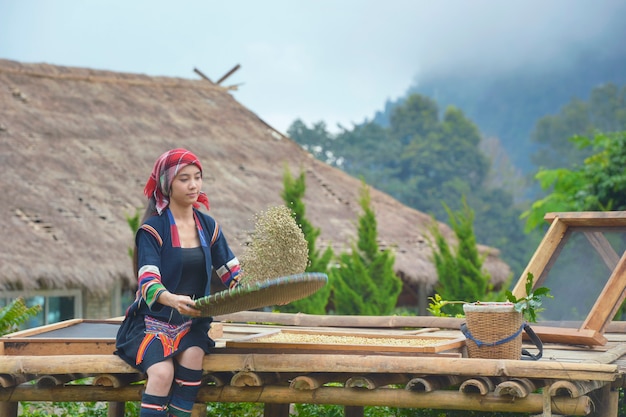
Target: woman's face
(186, 186)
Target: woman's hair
(150, 211)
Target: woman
(177, 247)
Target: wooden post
(547, 402)
(422, 299)
(353, 411)
(198, 410)
(275, 410)
(8, 409)
(116, 409)
(606, 402)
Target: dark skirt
(143, 348)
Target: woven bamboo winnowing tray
(276, 291)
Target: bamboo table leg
(606, 401)
(116, 409)
(547, 402)
(8, 409)
(276, 410)
(198, 410)
(353, 411)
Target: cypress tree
(460, 273)
(293, 193)
(365, 282)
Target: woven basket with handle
(493, 330)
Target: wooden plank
(542, 256)
(609, 300)
(45, 348)
(588, 337)
(42, 329)
(70, 337)
(569, 354)
(70, 330)
(589, 218)
(601, 244)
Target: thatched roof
(76, 146)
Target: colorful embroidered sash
(170, 336)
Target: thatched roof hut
(76, 146)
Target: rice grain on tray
(351, 340)
(278, 247)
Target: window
(56, 305)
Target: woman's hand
(181, 303)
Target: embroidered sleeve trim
(153, 232)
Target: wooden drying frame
(262, 341)
(591, 332)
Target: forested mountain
(459, 136)
(429, 160)
(432, 159)
(508, 105)
(604, 111)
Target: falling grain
(278, 247)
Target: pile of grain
(326, 339)
(278, 247)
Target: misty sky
(331, 60)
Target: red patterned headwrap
(165, 169)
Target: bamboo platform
(39, 364)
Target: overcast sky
(331, 60)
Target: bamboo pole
(64, 364)
(12, 380)
(252, 379)
(45, 381)
(116, 380)
(306, 382)
(305, 363)
(444, 400)
(375, 381)
(515, 388)
(312, 320)
(410, 365)
(315, 380)
(217, 379)
(481, 385)
(432, 382)
(574, 388)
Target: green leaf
(542, 291)
(529, 283)
(510, 297)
